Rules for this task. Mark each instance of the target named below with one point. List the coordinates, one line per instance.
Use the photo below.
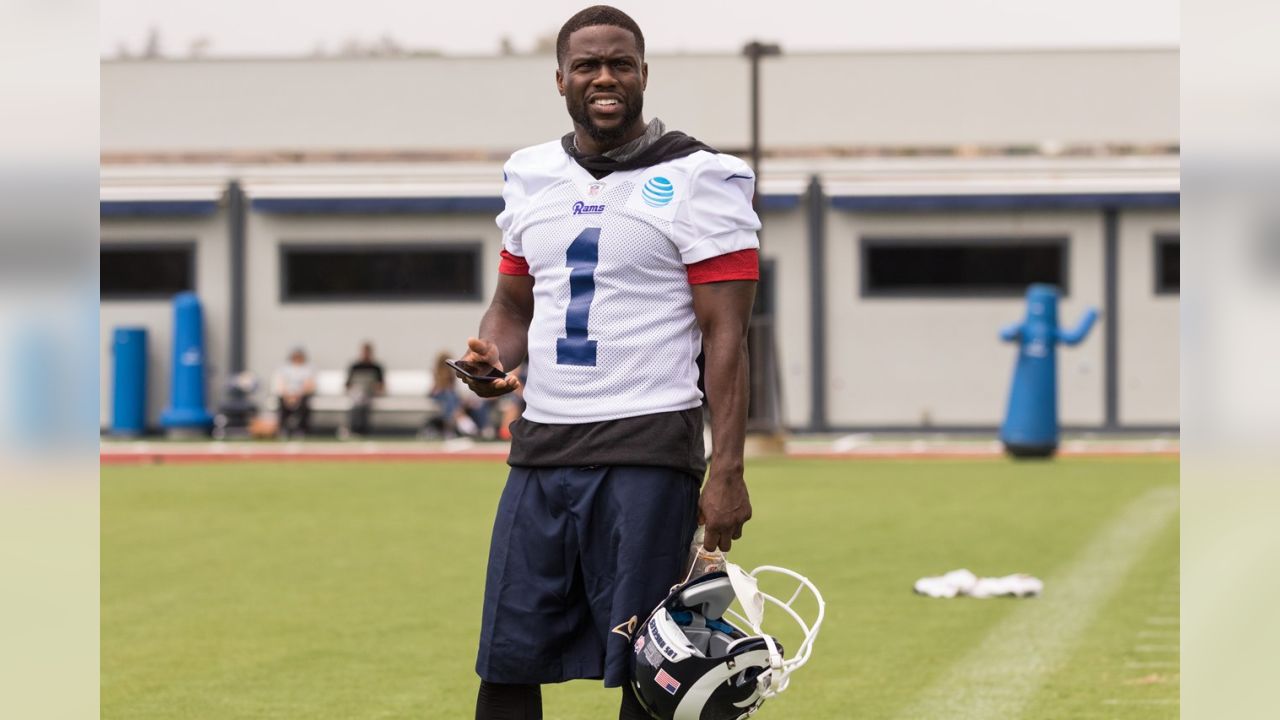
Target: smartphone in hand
(482, 372)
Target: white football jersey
(613, 332)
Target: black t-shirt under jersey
(669, 439)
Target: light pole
(765, 412)
(755, 50)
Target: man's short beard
(606, 136)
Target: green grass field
(350, 590)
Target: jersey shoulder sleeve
(525, 174)
(717, 217)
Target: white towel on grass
(964, 583)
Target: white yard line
(1001, 674)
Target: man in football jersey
(629, 259)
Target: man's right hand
(483, 351)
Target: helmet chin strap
(747, 590)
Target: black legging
(358, 419)
(631, 707)
(301, 413)
(524, 702)
(508, 702)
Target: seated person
(294, 384)
(459, 416)
(364, 383)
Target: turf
(352, 590)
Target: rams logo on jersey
(581, 208)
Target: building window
(380, 272)
(959, 267)
(1166, 261)
(132, 271)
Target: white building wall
(786, 244)
(863, 99)
(1148, 347)
(990, 98)
(405, 335)
(921, 362)
(212, 261)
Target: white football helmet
(693, 663)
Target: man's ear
(560, 82)
(644, 76)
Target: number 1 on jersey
(582, 257)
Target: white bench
(405, 398)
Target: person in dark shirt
(364, 383)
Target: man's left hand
(724, 507)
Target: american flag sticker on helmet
(668, 683)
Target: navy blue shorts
(579, 557)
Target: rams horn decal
(628, 628)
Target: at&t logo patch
(657, 192)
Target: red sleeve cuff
(741, 265)
(513, 264)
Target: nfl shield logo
(595, 189)
(668, 683)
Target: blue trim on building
(156, 208)
(1075, 201)
(769, 203)
(775, 203)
